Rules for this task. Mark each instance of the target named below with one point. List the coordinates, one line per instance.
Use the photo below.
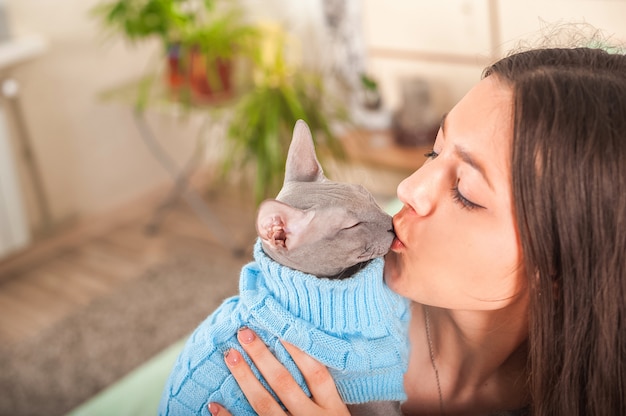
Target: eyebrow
(464, 155)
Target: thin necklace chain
(432, 357)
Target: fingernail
(214, 409)
(246, 335)
(232, 357)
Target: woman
(512, 246)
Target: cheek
(494, 270)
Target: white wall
(449, 42)
(14, 233)
(90, 154)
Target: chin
(391, 271)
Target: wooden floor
(58, 276)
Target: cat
(316, 282)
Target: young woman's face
(457, 245)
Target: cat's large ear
(302, 164)
(281, 226)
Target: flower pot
(175, 68)
(208, 80)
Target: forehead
(327, 193)
(482, 123)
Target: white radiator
(14, 232)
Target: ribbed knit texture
(357, 327)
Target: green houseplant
(262, 123)
(264, 115)
(199, 38)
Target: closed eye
(458, 197)
(351, 226)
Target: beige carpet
(81, 355)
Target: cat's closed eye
(354, 225)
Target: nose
(418, 191)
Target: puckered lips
(397, 244)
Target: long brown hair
(569, 188)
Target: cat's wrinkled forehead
(304, 195)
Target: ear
(302, 164)
(281, 226)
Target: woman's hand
(325, 397)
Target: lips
(397, 243)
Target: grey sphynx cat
(317, 283)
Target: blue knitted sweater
(357, 327)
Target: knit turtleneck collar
(354, 305)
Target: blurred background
(112, 109)
(88, 154)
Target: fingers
(217, 410)
(326, 399)
(317, 377)
(260, 399)
(276, 375)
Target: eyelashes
(457, 196)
